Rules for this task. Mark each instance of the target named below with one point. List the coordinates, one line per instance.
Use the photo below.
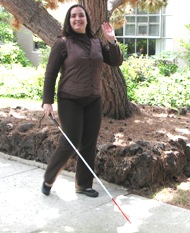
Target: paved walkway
(24, 209)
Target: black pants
(80, 120)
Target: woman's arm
(112, 53)
(56, 58)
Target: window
(38, 43)
(145, 31)
(142, 24)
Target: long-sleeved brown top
(80, 66)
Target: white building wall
(25, 39)
(181, 17)
(177, 16)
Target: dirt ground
(152, 124)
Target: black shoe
(88, 192)
(46, 189)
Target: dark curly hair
(67, 29)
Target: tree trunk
(115, 102)
(35, 17)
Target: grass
(178, 195)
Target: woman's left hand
(108, 31)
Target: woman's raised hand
(108, 31)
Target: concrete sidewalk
(24, 209)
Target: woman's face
(78, 20)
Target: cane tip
(128, 228)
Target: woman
(79, 56)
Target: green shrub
(11, 53)
(21, 82)
(166, 68)
(166, 62)
(147, 85)
(186, 45)
(172, 92)
(124, 48)
(6, 32)
(137, 72)
(17, 81)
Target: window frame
(160, 22)
(137, 23)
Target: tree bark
(115, 101)
(35, 17)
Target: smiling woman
(79, 56)
(78, 20)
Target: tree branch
(32, 14)
(113, 4)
